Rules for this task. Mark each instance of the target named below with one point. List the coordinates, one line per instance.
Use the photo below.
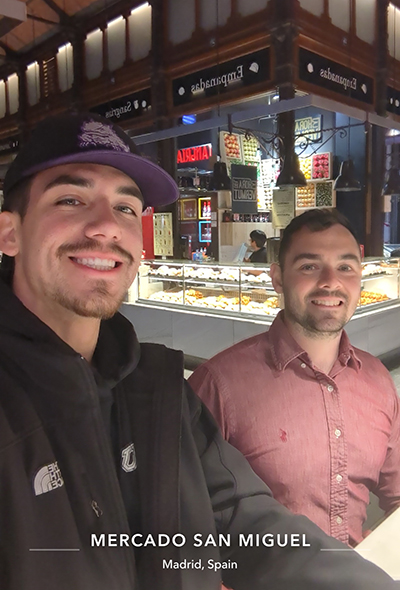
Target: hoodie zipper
(109, 466)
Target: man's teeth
(96, 263)
(327, 303)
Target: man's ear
(9, 226)
(276, 277)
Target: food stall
(203, 308)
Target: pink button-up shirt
(321, 442)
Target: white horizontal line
(54, 549)
(337, 549)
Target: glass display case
(245, 289)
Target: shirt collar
(285, 349)
(347, 353)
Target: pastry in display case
(246, 289)
(379, 283)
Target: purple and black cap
(72, 138)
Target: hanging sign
(127, 107)
(163, 237)
(283, 207)
(318, 70)
(230, 75)
(309, 128)
(244, 188)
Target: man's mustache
(326, 293)
(93, 245)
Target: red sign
(195, 154)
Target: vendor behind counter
(257, 244)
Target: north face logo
(48, 478)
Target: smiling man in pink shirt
(318, 419)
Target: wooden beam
(63, 16)
(43, 20)
(9, 52)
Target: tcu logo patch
(128, 458)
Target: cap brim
(156, 185)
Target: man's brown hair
(314, 220)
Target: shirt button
(303, 365)
(339, 478)
(329, 388)
(338, 432)
(339, 519)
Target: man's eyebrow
(72, 179)
(350, 256)
(306, 256)
(310, 256)
(65, 179)
(130, 191)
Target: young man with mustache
(317, 419)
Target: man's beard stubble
(100, 303)
(314, 326)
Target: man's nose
(328, 278)
(102, 222)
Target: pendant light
(346, 182)
(291, 174)
(392, 186)
(221, 180)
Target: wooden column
(161, 92)
(284, 35)
(7, 96)
(376, 148)
(197, 16)
(23, 103)
(104, 32)
(128, 59)
(78, 60)
(353, 16)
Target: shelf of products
(322, 166)
(250, 149)
(245, 289)
(306, 167)
(316, 194)
(317, 169)
(231, 147)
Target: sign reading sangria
(197, 153)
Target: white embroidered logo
(48, 478)
(128, 458)
(95, 133)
